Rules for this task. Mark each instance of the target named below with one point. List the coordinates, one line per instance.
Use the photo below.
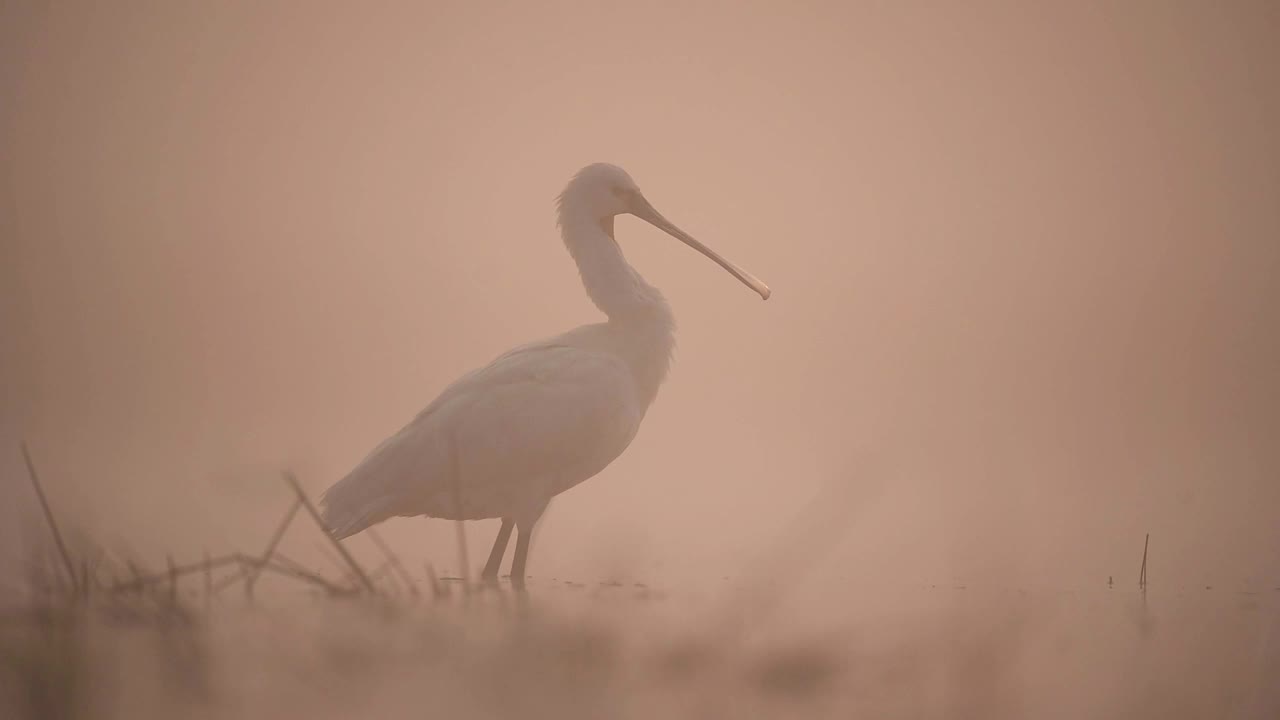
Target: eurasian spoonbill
(503, 440)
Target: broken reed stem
(1142, 574)
(312, 579)
(311, 510)
(394, 560)
(140, 581)
(48, 516)
(289, 569)
(283, 559)
(300, 573)
(275, 540)
(337, 564)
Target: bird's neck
(613, 285)
(640, 320)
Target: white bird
(503, 440)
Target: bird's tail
(349, 507)
(377, 488)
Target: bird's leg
(490, 572)
(525, 525)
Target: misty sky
(1026, 265)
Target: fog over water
(1025, 261)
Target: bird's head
(602, 191)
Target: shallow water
(622, 650)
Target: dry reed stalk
(301, 570)
(275, 540)
(1142, 574)
(295, 573)
(311, 510)
(48, 515)
(338, 565)
(288, 561)
(310, 577)
(140, 581)
(290, 569)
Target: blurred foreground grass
(612, 650)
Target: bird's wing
(531, 423)
(571, 414)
